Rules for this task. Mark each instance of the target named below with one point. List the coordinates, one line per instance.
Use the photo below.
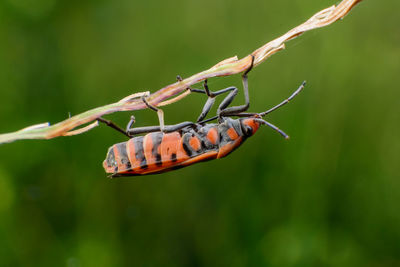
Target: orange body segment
(148, 150)
(232, 134)
(169, 148)
(212, 136)
(130, 150)
(194, 142)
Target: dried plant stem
(174, 92)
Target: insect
(165, 148)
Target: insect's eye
(248, 130)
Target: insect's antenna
(261, 121)
(284, 102)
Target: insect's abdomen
(159, 152)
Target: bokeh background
(327, 197)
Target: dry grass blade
(173, 93)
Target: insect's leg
(141, 130)
(163, 128)
(179, 126)
(223, 111)
(194, 90)
(284, 102)
(112, 125)
(211, 99)
(207, 120)
(160, 113)
(167, 128)
(131, 121)
(226, 102)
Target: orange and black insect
(165, 148)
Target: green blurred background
(327, 197)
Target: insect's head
(249, 126)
